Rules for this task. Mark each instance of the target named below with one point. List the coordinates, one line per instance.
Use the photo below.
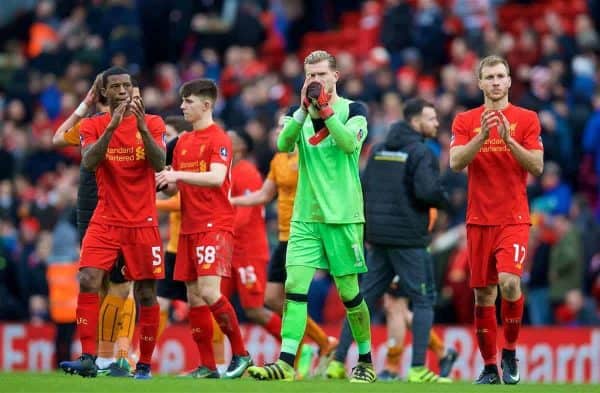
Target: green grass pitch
(58, 382)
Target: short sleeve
(88, 132)
(532, 139)
(171, 149)
(221, 150)
(272, 172)
(71, 136)
(460, 133)
(157, 128)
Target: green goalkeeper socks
(360, 324)
(293, 325)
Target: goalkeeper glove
(316, 94)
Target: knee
(120, 290)
(423, 301)
(254, 314)
(485, 296)
(275, 303)
(294, 285)
(145, 292)
(510, 287)
(90, 280)
(209, 294)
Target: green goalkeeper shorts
(334, 247)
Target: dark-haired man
(124, 147)
(401, 183)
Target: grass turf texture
(59, 382)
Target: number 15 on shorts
(206, 255)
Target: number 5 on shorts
(206, 254)
(156, 256)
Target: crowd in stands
(387, 51)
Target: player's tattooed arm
(93, 153)
(155, 154)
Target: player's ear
(509, 81)
(336, 75)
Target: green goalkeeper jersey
(329, 189)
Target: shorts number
(520, 252)
(206, 254)
(156, 255)
(357, 248)
(247, 275)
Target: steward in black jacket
(400, 183)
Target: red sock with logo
(202, 332)
(149, 320)
(273, 326)
(225, 316)
(512, 314)
(486, 329)
(88, 308)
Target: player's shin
(126, 328)
(293, 326)
(358, 316)
(88, 305)
(485, 329)
(512, 313)
(202, 331)
(149, 318)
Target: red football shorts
(496, 249)
(141, 249)
(248, 279)
(203, 254)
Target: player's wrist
(300, 115)
(325, 112)
(82, 109)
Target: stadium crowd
(387, 51)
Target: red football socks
(202, 332)
(273, 326)
(486, 329)
(88, 307)
(149, 320)
(512, 314)
(228, 322)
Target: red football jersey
(204, 209)
(125, 178)
(249, 232)
(496, 181)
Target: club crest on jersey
(360, 134)
(223, 152)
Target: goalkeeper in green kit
(327, 222)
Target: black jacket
(400, 183)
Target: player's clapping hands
(117, 115)
(503, 127)
(137, 108)
(489, 119)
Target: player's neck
(203, 123)
(496, 105)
